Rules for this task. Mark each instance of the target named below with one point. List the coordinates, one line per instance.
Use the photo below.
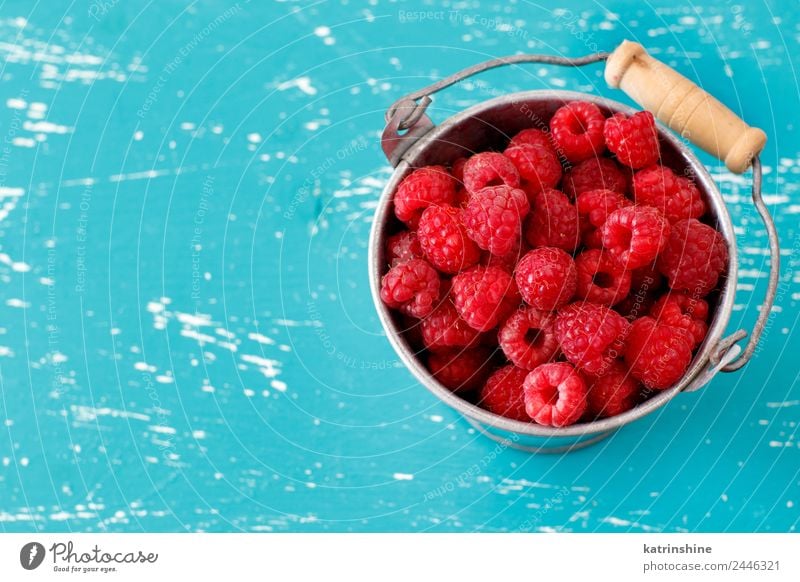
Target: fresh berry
(594, 174)
(444, 328)
(527, 338)
(577, 128)
(594, 206)
(489, 169)
(534, 137)
(538, 166)
(484, 296)
(460, 370)
(645, 283)
(553, 222)
(633, 139)
(694, 258)
(613, 393)
(493, 218)
(457, 170)
(546, 278)
(675, 196)
(502, 394)
(634, 235)
(423, 187)
(411, 287)
(508, 261)
(657, 355)
(444, 239)
(591, 335)
(402, 247)
(600, 278)
(682, 310)
(555, 394)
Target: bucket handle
(673, 99)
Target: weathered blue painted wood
(188, 341)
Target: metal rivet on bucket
(411, 139)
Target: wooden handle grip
(684, 106)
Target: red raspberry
(555, 394)
(538, 166)
(613, 393)
(484, 296)
(658, 355)
(577, 128)
(445, 329)
(591, 335)
(681, 310)
(594, 206)
(502, 394)
(402, 247)
(457, 170)
(645, 282)
(527, 338)
(694, 258)
(507, 262)
(553, 222)
(489, 169)
(633, 139)
(493, 218)
(634, 235)
(444, 240)
(594, 174)
(546, 278)
(420, 189)
(460, 370)
(600, 279)
(534, 137)
(675, 196)
(411, 287)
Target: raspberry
(420, 189)
(681, 310)
(460, 370)
(594, 206)
(412, 287)
(445, 329)
(553, 222)
(594, 174)
(645, 282)
(444, 240)
(483, 296)
(493, 218)
(534, 137)
(633, 139)
(675, 196)
(634, 235)
(538, 166)
(402, 247)
(546, 278)
(591, 335)
(657, 355)
(502, 394)
(600, 279)
(555, 394)
(508, 261)
(527, 338)
(613, 393)
(577, 128)
(489, 169)
(694, 258)
(457, 170)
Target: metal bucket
(490, 125)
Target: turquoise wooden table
(187, 339)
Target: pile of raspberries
(560, 280)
